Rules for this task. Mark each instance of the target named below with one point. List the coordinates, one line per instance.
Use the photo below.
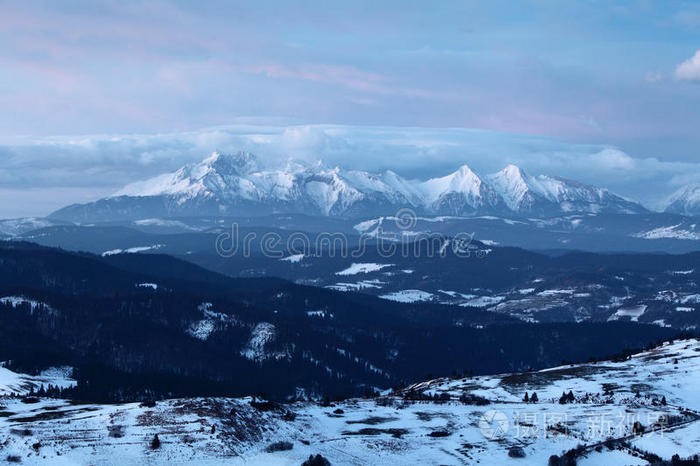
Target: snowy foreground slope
(471, 420)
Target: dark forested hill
(151, 325)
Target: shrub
(289, 416)
(265, 405)
(279, 446)
(469, 399)
(638, 428)
(317, 460)
(116, 431)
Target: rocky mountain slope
(685, 201)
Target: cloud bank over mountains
(51, 172)
(623, 73)
(580, 71)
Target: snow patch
(261, 336)
(361, 285)
(367, 267)
(684, 309)
(153, 286)
(133, 250)
(483, 301)
(293, 259)
(16, 301)
(408, 296)
(201, 329)
(633, 312)
(668, 232)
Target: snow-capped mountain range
(234, 184)
(685, 201)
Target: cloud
(688, 18)
(55, 171)
(87, 67)
(654, 77)
(344, 75)
(689, 70)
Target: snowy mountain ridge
(685, 201)
(235, 184)
(543, 194)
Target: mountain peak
(462, 184)
(512, 184)
(511, 168)
(464, 170)
(460, 180)
(213, 157)
(513, 171)
(510, 174)
(239, 163)
(685, 200)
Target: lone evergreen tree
(155, 443)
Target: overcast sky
(606, 92)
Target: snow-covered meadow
(444, 421)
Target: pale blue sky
(607, 73)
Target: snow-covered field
(356, 268)
(12, 382)
(634, 313)
(669, 232)
(361, 285)
(408, 296)
(133, 250)
(444, 421)
(293, 259)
